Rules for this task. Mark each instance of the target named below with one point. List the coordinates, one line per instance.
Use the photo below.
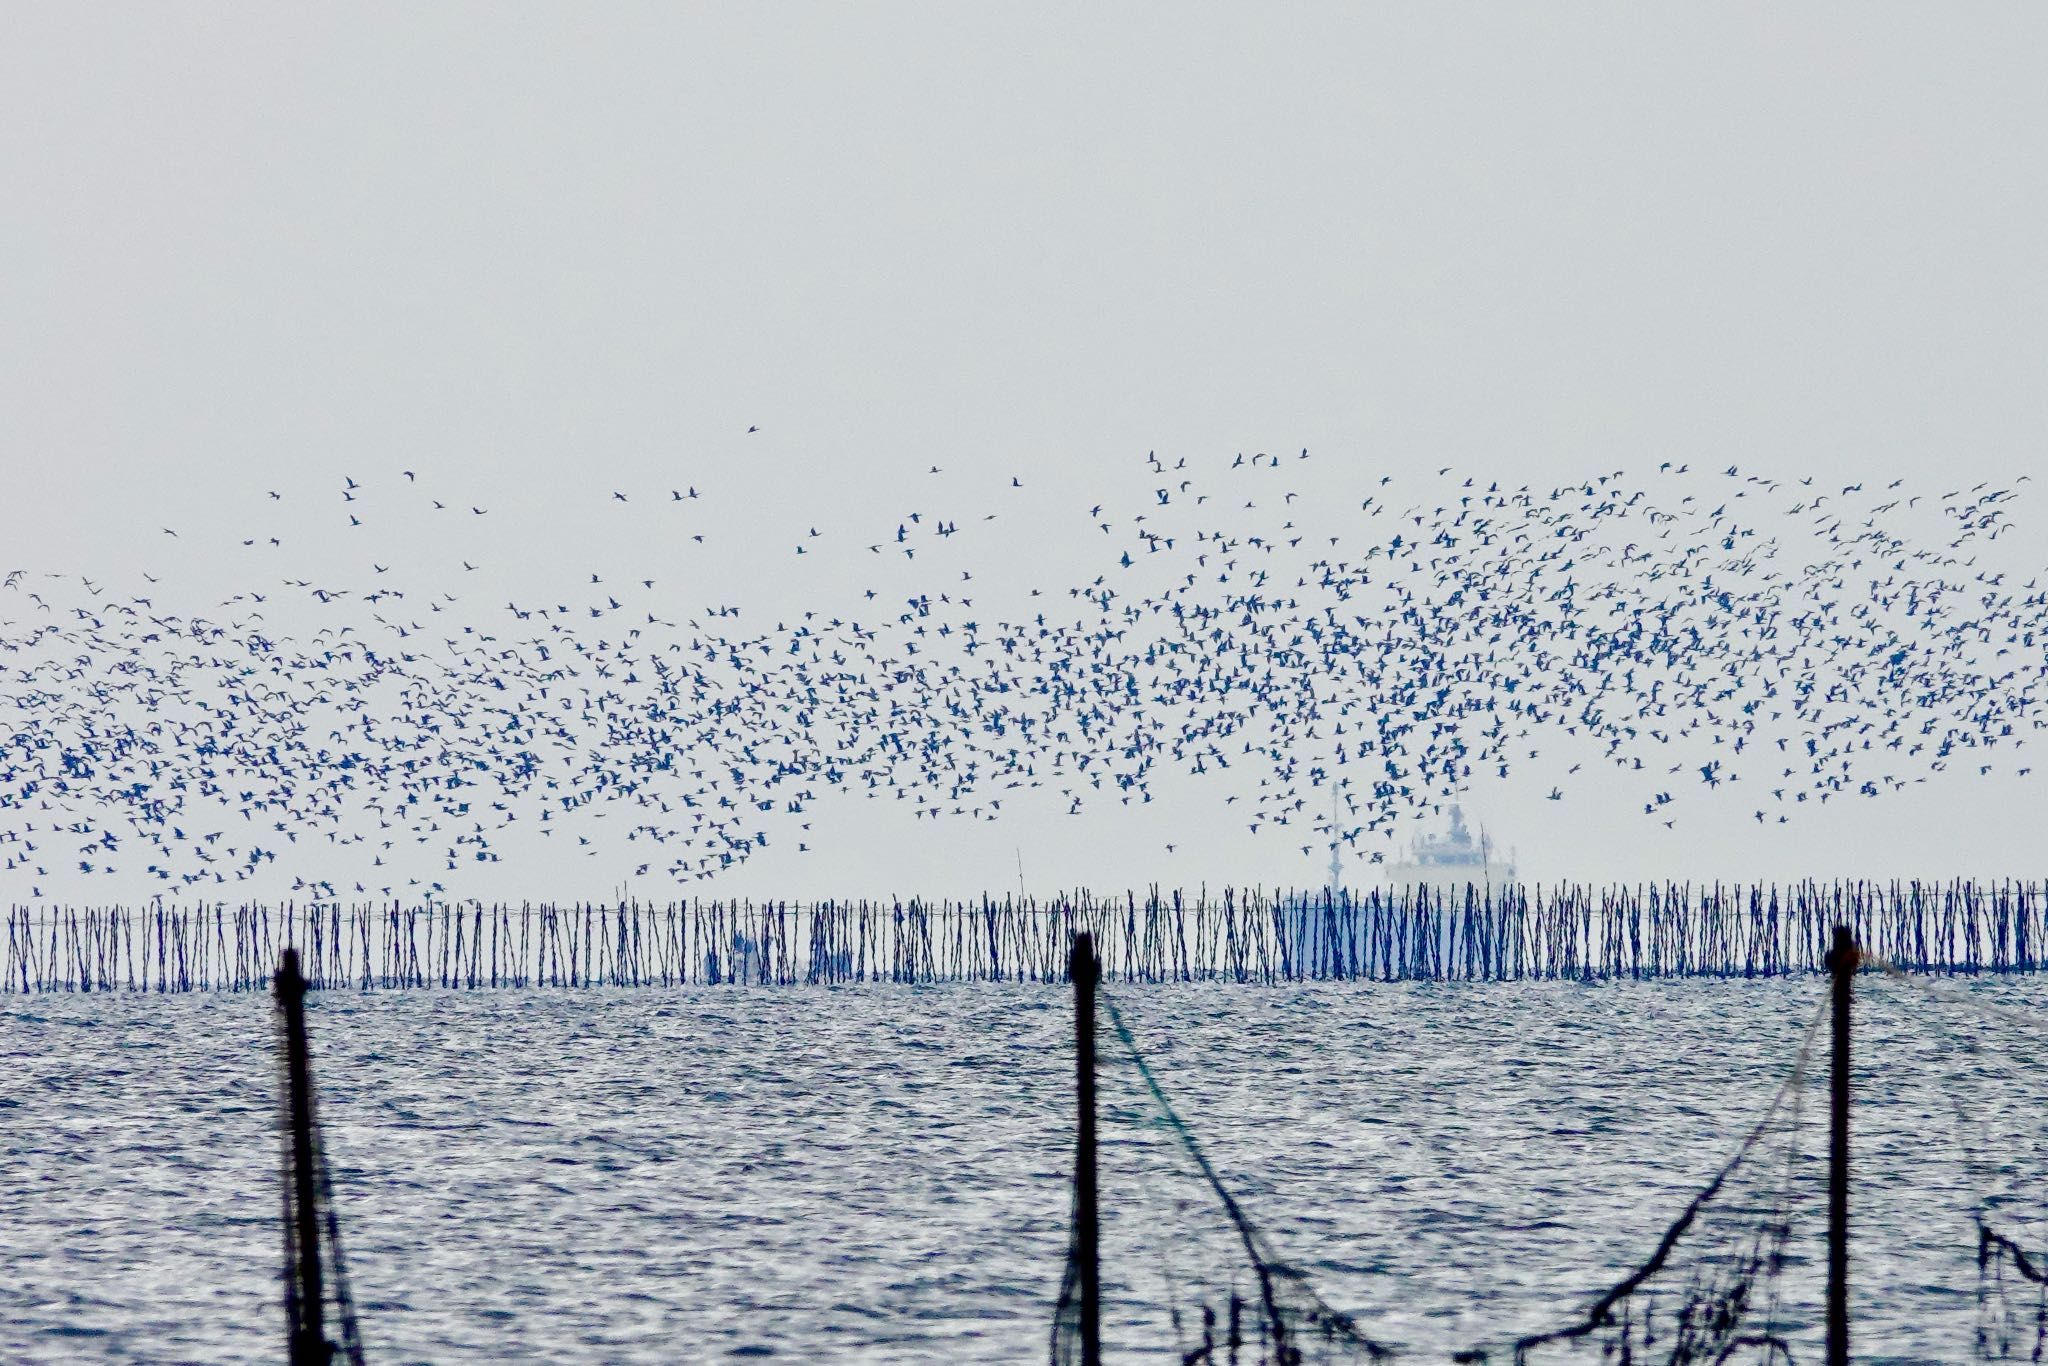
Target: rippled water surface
(881, 1173)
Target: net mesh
(1713, 1289)
(1985, 1053)
(1188, 1275)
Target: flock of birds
(1349, 663)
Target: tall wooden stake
(1084, 969)
(1842, 963)
(308, 1342)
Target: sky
(539, 255)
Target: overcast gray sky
(535, 253)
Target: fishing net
(1186, 1275)
(1986, 1054)
(1713, 1289)
(1735, 1277)
(2012, 1299)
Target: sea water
(881, 1173)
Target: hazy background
(536, 254)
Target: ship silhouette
(1452, 861)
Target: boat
(1453, 861)
(1412, 928)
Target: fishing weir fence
(1480, 934)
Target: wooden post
(1842, 963)
(308, 1341)
(1084, 969)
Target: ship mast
(1336, 843)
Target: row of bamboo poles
(1482, 934)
